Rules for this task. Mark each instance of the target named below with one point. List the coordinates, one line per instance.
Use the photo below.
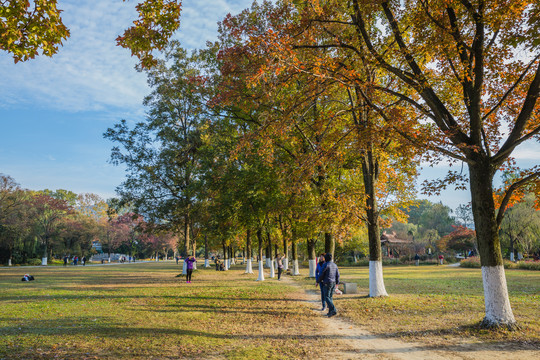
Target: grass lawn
(439, 304)
(144, 311)
(136, 311)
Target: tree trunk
(206, 257)
(249, 268)
(44, 257)
(194, 254)
(294, 250)
(260, 257)
(329, 244)
(497, 304)
(268, 253)
(311, 256)
(285, 252)
(370, 173)
(270, 260)
(185, 250)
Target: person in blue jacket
(330, 278)
(318, 271)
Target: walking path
(357, 343)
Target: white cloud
(90, 72)
(528, 151)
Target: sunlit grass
(144, 311)
(439, 304)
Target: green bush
(528, 265)
(34, 262)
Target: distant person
(417, 259)
(441, 259)
(65, 260)
(75, 260)
(218, 263)
(279, 261)
(330, 278)
(27, 277)
(83, 261)
(318, 272)
(177, 258)
(189, 268)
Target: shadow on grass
(115, 330)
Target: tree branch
(510, 191)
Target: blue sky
(53, 111)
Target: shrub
(528, 265)
(471, 262)
(474, 262)
(34, 262)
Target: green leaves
(24, 30)
(157, 22)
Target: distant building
(392, 246)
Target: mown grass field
(136, 311)
(144, 311)
(440, 305)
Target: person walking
(189, 268)
(318, 272)
(83, 261)
(279, 261)
(330, 278)
(417, 259)
(65, 260)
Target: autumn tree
(26, 28)
(13, 222)
(430, 49)
(48, 214)
(328, 126)
(520, 228)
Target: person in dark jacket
(318, 271)
(330, 278)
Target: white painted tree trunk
(268, 262)
(206, 263)
(249, 269)
(109, 259)
(296, 270)
(376, 281)
(272, 271)
(520, 256)
(226, 264)
(261, 272)
(195, 265)
(312, 267)
(498, 310)
(355, 259)
(43, 261)
(285, 264)
(233, 261)
(512, 256)
(9, 262)
(184, 268)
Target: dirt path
(353, 342)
